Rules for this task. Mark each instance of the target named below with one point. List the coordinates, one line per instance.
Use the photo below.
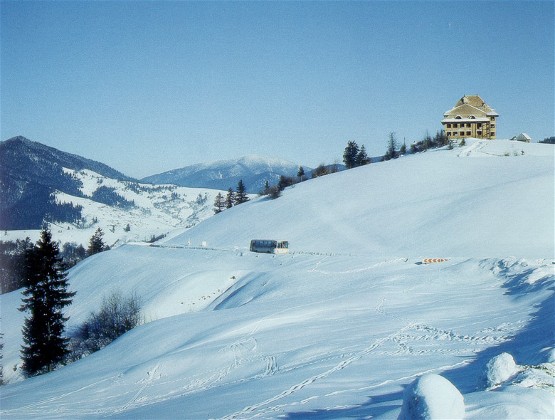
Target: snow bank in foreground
(432, 397)
(499, 369)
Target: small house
(523, 137)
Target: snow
(432, 397)
(158, 210)
(344, 323)
(499, 369)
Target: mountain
(342, 325)
(225, 174)
(30, 172)
(76, 196)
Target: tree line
(14, 271)
(233, 198)
(353, 157)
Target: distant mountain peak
(253, 169)
(19, 139)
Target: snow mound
(432, 397)
(499, 369)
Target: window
(479, 125)
(468, 124)
(468, 133)
(492, 125)
(448, 125)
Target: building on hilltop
(523, 137)
(470, 117)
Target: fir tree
(96, 243)
(219, 203)
(300, 173)
(241, 194)
(441, 139)
(229, 199)
(427, 141)
(362, 157)
(46, 295)
(350, 154)
(391, 152)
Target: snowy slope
(253, 170)
(443, 204)
(156, 210)
(339, 327)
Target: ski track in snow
(411, 332)
(312, 379)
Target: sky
(147, 87)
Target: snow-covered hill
(224, 174)
(444, 203)
(75, 196)
(340, 326)
(30, 172)
(127, 211)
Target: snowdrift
(342, 325)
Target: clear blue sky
(147, 87)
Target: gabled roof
(522, 137)
(470, 105)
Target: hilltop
(442, 203)
(340, 326)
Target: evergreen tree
(362, 157)
(427, 141)
(350, 154)
(441, 139)
(229, 199)
(241, 194)
(46, 295)
(300, 173)
(391, 152)
(96, 243)
(219, 203)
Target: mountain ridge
(75, 195)
(253, 170)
